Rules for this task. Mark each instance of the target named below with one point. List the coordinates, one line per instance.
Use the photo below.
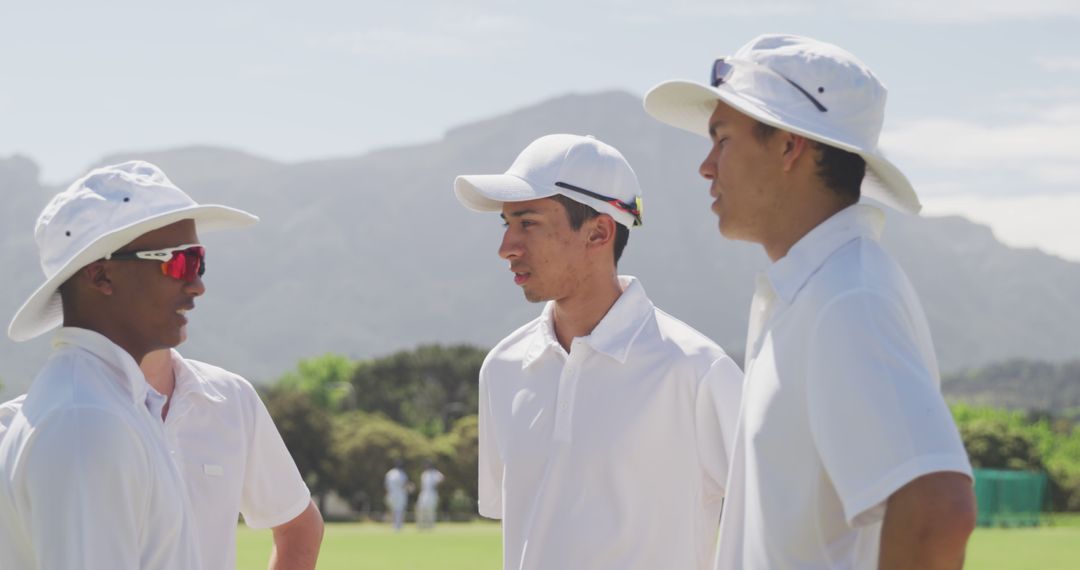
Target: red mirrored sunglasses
(183, 262)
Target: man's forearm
(927, 524)
(297, 542)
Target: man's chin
(533, 297)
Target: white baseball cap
(578, 167)
(799, 85)
(97, 215)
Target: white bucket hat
(97, 215)
(578, 167)
(799, 85)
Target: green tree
(325, 379)
(1001, 439)
(365, 447)
(456, 455)
(1006, 439)
(1063, 463)
(306, 430)
(427, 389)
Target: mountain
(1019, 384)
(366, 255)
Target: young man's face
(743, 172)
(153, 305)
(546, 256)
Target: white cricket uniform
(841, 407)
(87, 480)
(429, 489)
(613, 456)
(231, 456)
(397, 497)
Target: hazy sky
(984, 95)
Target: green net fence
(1009, 498)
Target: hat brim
(688, 105)
(488, 192)
(43, 310)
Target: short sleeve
(86, 480)
(490, 477)
(274, 492)
(716, 417)
(874, 404)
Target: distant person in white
(605, 423)
(232, 459)
(846, 454)
(427, 503)
(87, 477)
(397, 493)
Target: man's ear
(98, 277)
(795, 147)
(601, 230)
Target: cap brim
(43, 311)
(488, 192)
(689, 105)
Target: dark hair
(577, 213)
(840, 170)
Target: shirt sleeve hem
(490, 510)
(281, 517)
(862, 510)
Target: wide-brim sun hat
(581, 168)
(800, 85)
(98, 214)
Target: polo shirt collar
(788, 275)
(190, 382)
(614, 335)
(109, 352)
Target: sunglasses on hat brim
(183, 262)
(722, 69)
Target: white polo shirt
(395, 482)
(612, 456)
(231, 456)
(841, 405)
(86, 478)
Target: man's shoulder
(684, 340)
(860, 265)
(514, 345)
(219, 377)
(48, 429)
(73, 378)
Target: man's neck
(158, 368)
(578, 315)
(801, 220)
(105, 328)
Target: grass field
(476, 546)
(370, 546)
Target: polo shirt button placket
(567, 387)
